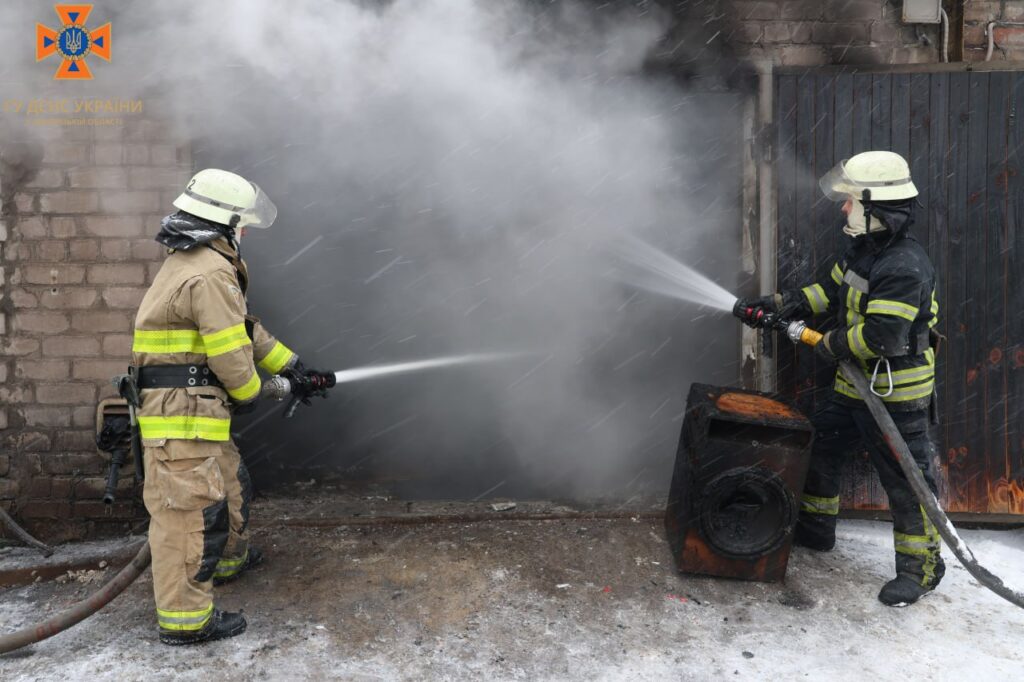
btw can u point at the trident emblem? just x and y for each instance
(73, 42)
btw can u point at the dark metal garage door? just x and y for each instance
(962, 133)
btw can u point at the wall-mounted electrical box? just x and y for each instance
(922, 11)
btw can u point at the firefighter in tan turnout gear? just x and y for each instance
(195, 355)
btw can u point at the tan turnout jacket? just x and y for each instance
(195, 313)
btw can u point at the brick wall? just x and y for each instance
(80, 208)
(1008, 33)
(814, 32)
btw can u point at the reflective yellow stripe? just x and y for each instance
(855, 340)
(247, 390)
(229, 567)
(186, 428)
(184, 620)
(905, 393)
(880, 306)
(276, 359)
(817, 297)
(226, 340)
(819, 505)
(837, 274)
(167, 341)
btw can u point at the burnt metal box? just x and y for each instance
(740, 468)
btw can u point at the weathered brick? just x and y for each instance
(47, 178)
(801, 32)
(136, 154)
(116, 249)
(76, 439)
(776, 32)
(65, 154)
(147, 130)
(1009, 36)
(24, 299)
(8, 489)
(884, 32)
(121, 273)
(32, 227)
(84, 416)
(802, 9)
(41, 322)
(108, 154)
(148, 249)
(89, 489)
(117, 201)
(98, 177)
(84, 249)
(25, 203)
(108, 133)
(52, 250)
(71, 346)
(19, 345)
(913, 55)
(12, 395)
(96, 321)
(27, 442)
(65, 393)
(47, 416)
(4, 419)
(46, 274)
(68, 463)
(750, 10)
(854, 10)
(63, 227)
(747, 32)
(39, 486)
(982, 12)
(51, 510)
(74, 201)
(839, 34)
(68, 298)
(42, 369)
(98, 370)
(802, 55)
(155, 177)
(19, 252)
(163, 155)
(113, 226)
(3, 372)
(861, 54)
(117, 345)
(5, 465)
(123, 297)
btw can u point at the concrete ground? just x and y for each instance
(430, 596)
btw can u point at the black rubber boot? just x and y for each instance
(819, 541)
(220, 626)
(252, 559)
(903, 591)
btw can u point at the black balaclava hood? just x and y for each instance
(185, 231)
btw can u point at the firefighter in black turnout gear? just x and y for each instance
(881, 291)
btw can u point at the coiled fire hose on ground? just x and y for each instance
(82, 610)
(798, 332)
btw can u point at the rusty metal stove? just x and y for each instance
(739, 471)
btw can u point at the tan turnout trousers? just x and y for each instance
(198, 501)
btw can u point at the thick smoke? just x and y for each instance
(450, 176)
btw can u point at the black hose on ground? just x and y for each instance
(924, 494)
(80, 611)
(23, 535)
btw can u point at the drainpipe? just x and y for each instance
(767, 246)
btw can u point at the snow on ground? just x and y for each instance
(546, 600)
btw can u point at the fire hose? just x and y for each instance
(799, 332)
(80, 611)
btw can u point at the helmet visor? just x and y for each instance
(837, 185)
(263, 212)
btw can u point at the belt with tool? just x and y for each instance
(176, 376)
